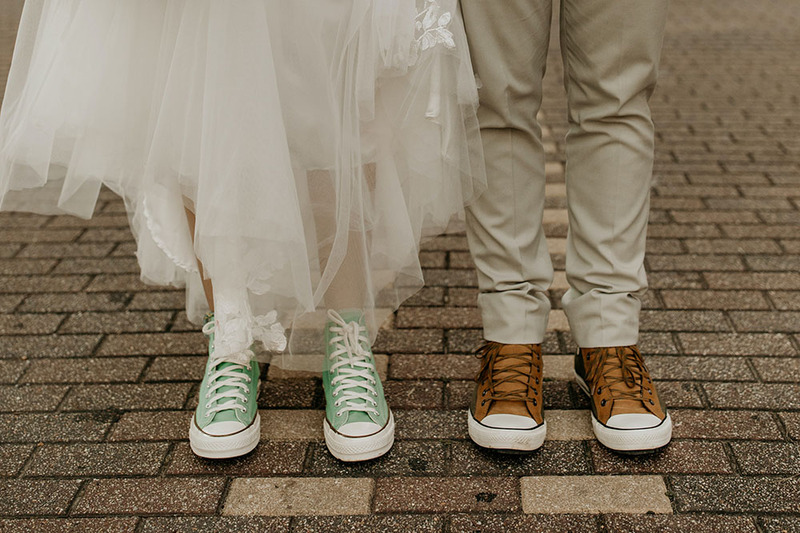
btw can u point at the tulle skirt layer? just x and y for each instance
(316, 142)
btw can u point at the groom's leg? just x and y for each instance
(509, 43)
(611, 50)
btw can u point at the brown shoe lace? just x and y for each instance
(623, 369)
(517, 372)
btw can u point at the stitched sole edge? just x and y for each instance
(524, 440)
(236, 445)
(629, 440)
(353, 449)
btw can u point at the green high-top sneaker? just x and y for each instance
(358, 423)
(226, 423)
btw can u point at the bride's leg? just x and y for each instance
(359, 425)
(208, 287)
(348, 289)
(218, 431)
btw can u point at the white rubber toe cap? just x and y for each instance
(359, 429)
(505, 421)
(219, 429)
(633, 421)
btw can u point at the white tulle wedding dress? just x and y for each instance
(317, 142)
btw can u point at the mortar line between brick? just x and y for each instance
(676, 340)
(27, 462)
(374, 494)
(447, 446)
(226, 487)
(95, 352)
(589, 456)
(78, 495)
(751, 365)
(729, 320)
(701, 393)
(146, 368)
(172, 320)
(60, 405)
(447, 523)
(55, 265)
(737, 469)
(781, 426)
(757, 521)
(601, 524)
(64, 318)
(139, 527)
(673, 500)
(795, 342)
(308, 460)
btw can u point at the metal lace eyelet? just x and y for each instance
(483, 402)
(484, 392)
(603, 403)
(534, 402)
(537, 381)
(599, 390)
(652, 402)
(246, 400)
(208, 406)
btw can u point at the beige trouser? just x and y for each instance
(610, 50)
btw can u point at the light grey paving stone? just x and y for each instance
(558, 367)
(594, 494)
(568, 424)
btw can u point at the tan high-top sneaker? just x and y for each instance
(627, 415)
(506, 409)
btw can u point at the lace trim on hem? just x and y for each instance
(153, 228)
(234, 337)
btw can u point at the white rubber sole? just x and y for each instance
(629, 440)
(353, 449)
(225, 447)
(522, 440)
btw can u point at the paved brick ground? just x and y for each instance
(98, 372)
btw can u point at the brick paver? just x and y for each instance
(99, 372)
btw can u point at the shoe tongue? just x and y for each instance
(624, 407)
(227, 415)
(501, 364)
(613, 369)
(514, 407)
(358, 416)
(356, 315)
